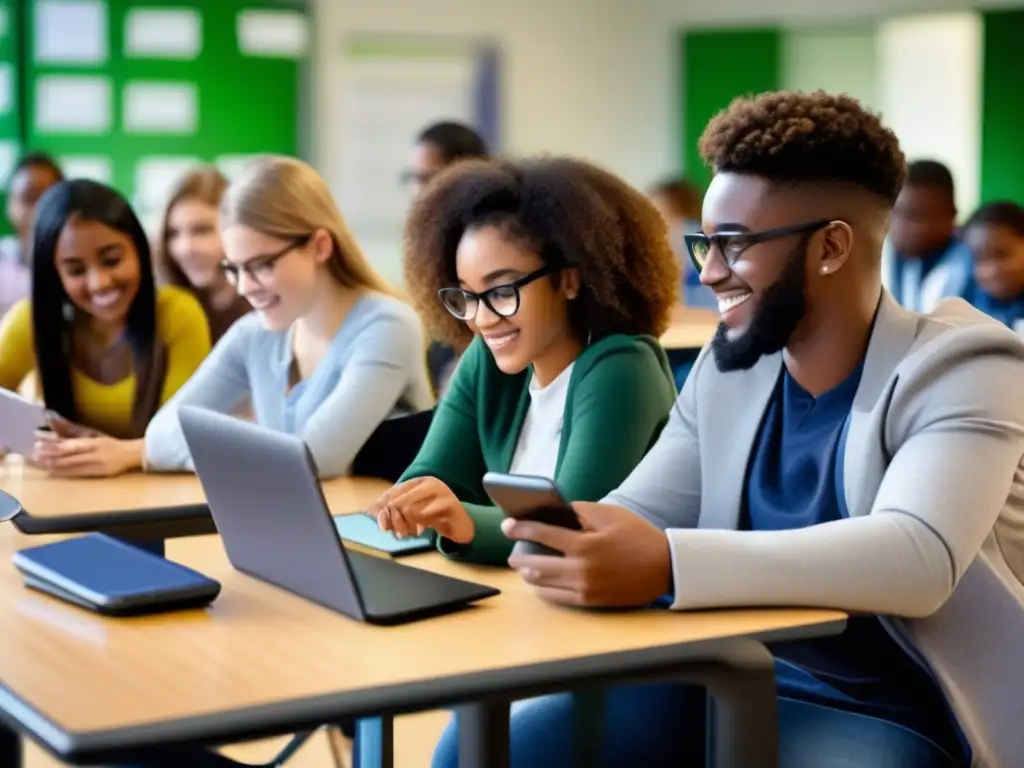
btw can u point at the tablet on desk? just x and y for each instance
(19, 420)
(108, 576)
(362, 530)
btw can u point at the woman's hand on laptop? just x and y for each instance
(409, 508)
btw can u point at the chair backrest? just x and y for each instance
(393, 446)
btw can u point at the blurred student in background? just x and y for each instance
(927, 261)
(562, 278)
(32, 176)
(328, 354)
(995, 237)
(190, 252)
(108, 346)
(435, 148)
(679, 201)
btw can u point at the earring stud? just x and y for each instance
(824, 270)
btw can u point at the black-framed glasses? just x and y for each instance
(260, 268)
(732, 244)
(503, 300)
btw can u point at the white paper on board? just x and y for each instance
(71, 32)
(8, 158)
(153, 107)
(154, 177)
(231, 165)
(95, 167)
(73, 104)
(6, 88)
(167, 33)
(273, 33)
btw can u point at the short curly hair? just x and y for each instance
(569, 212)
(789, 136)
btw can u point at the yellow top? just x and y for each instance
(181, 325)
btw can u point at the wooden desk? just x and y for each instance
(261, 662)
(690, 328)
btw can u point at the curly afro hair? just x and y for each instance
(567, 211)
(788, 137)
(1001, 213)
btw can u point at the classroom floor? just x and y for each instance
(415, 737)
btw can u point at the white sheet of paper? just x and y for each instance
(273, 33)
(165, 33)
(151, 107)
(95, 167)
(154, 177)
(6, 88)
(8, 157)
(73, 104)
(71, 31)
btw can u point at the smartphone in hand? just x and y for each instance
(524, 497)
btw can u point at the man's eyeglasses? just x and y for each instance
(732, 244)
(503, 300)
(260, 268)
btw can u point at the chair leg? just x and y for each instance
(339, 745)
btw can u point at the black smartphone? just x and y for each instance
(524, 497)
(111, 577)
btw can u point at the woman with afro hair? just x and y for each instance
(563, 277)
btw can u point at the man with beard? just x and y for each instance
(829, 449)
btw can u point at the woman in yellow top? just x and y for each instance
(108, 347)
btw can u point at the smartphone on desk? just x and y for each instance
(112, 577)
(524, 497)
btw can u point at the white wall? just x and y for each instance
(931, 92)
(837, 59)
(590, 77)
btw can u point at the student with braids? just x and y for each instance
(829, 449)
(562, 276)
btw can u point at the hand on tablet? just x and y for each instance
(411, 507)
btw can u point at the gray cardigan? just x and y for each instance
(375, 367)
(935, 489)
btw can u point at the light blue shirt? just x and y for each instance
(374, 368)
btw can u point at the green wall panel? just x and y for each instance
(245, 104)
(1002, 127)
(717, 66)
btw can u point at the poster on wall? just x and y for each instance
(392, 89)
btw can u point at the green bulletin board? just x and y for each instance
(10, 122)
(143, 89)
(719, 65)
(1002, 114)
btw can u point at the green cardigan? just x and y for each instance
(620, 392)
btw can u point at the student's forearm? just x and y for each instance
(887, 563)
(131, 454)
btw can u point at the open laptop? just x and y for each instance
(266, 501)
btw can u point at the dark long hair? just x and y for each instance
(52, 309)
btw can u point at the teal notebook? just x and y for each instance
(362, 530)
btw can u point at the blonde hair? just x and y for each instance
(284, 197)
(205, 184)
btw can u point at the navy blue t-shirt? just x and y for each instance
(1006, 311)
(794, 480)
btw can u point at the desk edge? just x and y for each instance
(282, 717)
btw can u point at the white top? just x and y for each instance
(537, 449)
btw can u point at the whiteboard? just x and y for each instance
(386, 103)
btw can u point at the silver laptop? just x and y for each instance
(268, 506)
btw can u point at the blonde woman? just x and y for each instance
(190, 252)
(329, 352)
